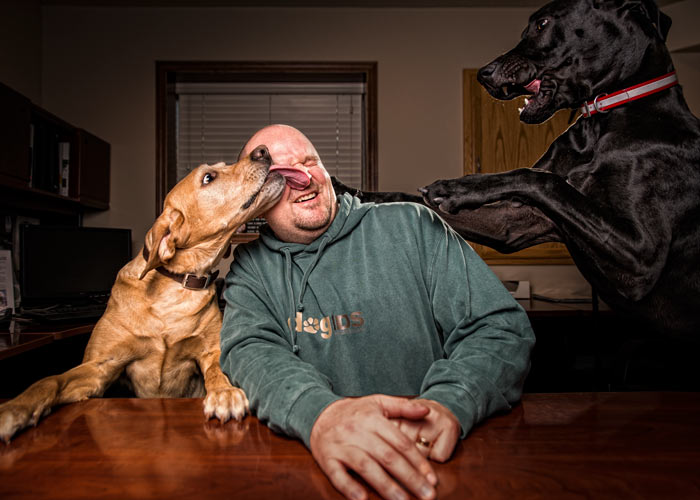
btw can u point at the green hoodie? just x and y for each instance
(388, 300)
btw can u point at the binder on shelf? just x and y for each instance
(52, 162)
(64, 167)
(47, 155)
(32, 159)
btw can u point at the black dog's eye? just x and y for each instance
(208, 177)
(539, 25)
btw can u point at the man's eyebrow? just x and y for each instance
(311, 158)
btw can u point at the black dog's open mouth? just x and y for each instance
(509, 78)
(540, 93)
(510, 91)
(533, 90)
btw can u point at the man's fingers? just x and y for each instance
(422, 433)
(343, 481)
(412, 429)
(398, 464)
(436, 435)
(406, 448)
(382, 469)
(444, 445)
(394, 407)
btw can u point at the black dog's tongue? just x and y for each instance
(533, 86)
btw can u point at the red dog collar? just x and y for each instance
(605, 102)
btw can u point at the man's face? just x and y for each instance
(300, 216)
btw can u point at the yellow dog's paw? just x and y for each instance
(226, 403)
(14, 417)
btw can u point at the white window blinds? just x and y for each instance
(214, 120)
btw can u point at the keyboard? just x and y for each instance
(61, 313)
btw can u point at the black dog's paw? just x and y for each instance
(447, 195)
(476, 190)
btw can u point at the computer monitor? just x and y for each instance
(60, 264)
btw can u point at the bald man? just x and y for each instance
(340, 310)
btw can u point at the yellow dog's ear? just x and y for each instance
(162, 238)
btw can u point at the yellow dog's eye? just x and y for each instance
(208, 177)
(541, 24)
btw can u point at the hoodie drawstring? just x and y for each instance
(299, 307)
(307, 273)
(290, 294)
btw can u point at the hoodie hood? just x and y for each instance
(350, 213)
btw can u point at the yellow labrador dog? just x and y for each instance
(161, 326)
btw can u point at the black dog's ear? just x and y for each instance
(660, 21)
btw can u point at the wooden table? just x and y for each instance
(587, 445)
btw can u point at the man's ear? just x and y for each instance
(162, 238)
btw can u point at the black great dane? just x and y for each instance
(621, 187)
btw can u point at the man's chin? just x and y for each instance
(313, 220)
(311, 225)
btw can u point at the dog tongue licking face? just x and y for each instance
(296, 178)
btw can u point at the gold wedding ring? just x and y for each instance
(423, 442)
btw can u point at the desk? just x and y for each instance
(586, 445)
(26, 337)
(537, 308)
(34, 351)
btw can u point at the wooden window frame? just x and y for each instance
(168, 73)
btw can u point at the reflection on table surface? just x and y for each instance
(588, 445)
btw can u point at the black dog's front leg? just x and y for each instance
(476, 190)
(611, 247)
(374, 196)
(505, 227)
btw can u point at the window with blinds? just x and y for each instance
(214, 121)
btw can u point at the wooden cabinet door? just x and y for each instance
(495, 140)
(14, 138)
(93, 162)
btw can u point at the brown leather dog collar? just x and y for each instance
(190, 281)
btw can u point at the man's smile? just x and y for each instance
(306, 197)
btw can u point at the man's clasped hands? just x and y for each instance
(387, 441)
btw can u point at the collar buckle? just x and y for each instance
(194, 282)
(598, 107)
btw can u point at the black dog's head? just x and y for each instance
(573, 50)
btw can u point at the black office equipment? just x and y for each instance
(68, 272)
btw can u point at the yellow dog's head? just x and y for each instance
(204, 209)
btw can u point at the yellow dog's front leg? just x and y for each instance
(222, 401)
(84, 381)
